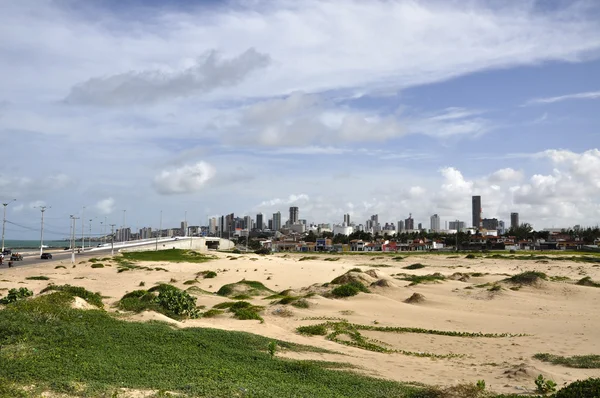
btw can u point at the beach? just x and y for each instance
(516, 320)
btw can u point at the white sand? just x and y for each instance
(560, 318)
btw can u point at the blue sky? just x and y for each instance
(390, 107)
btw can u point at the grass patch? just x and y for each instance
(170, 255)
(250, 288)
(69, 348)
(376, 265)
(60, 266)
(559, 278)
(98, 265)
(587, 281)
(208, 274)
(313, 330)
(302, 303)
(190, 282)
(398, 258)
(349, 289)
(415, 266)
(577, 361)
(212, 313)
(37, 278)
(527, 278)
(431, 278)
(331, 258)
(91, 298)
(306, 258)
(164, 298)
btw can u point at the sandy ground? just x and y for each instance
(558, 317)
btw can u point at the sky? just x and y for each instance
(120, 111)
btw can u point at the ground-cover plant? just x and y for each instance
(190, 282)
(302, 303)
(37, 278)
(306, 258)
(98, 265)
(415, 266)
(78, 356)
(164, 298)
(212, 313)
(587, 281)
(349, 289)
(169, 255)
(580, 389)
(544, 386)
(331, 258)
(90, 297)
(527, 278)
(15, 295)
(470, 256)
(576, 361)
(398, 258)
(416, 279)
(208, 274)
(250, 288)
(60, 266)
(313, 330)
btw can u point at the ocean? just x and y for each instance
(35, 244)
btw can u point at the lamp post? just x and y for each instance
(42, 209)
(82, 223)
(74, 223)
(90, 235)
(4, 220)
(123, 229)
(112, 239)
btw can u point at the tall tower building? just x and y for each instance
(435, 223)
(259, 222)
(248, 224)
(409, 223)
(184, 228)
(212, 226)
(347, 219)
(400, 226)
(276, 221)
(514, 220)
(293, 215)
(476, 201)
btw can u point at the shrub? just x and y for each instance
(37, 278)
(349, 289)
(527, 278)
(587, 281)
(138, 301)
(495, 288)
(92, 298)
(245, 314)
(60, 266)
(210, 274)
(544, 386)
(178, 302)
(16, 295)
(416, 279)
(302, 303)
(190, 282)
(470, 256)
(581, 388)
(263, 251)
(272, 347)
(212, 313)
(576, 361)
(313, 330)
(415, 266)
(98, 265)
(287, 300)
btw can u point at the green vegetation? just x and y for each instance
(416, 279)
(415, 266)
(71, 291)
(15, 295)
(208, 274)
(302, 303)
(212, 313)
(272, 347)
(587, 281)
(580, 389)
(93, 260)
(250, 288)
(98, 265)
(306, 258)
(470, 256)
(527, 278)
(495, 288)
(166, 299)
(577, 361)
(313, 330)
(37, 278)
(170, 255)
(331, 258)
(244, 310)
(559, 278)
(190, 282)
(349, 289)
(47, 346)
(544, 386)
(398, 258)
(60, 266)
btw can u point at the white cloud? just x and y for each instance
(186, 179)
(208, 73)
(105, 206)
(506, 174)
(18, 208)
(549, 100)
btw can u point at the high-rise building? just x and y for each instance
(294, 215)
(248, 224)
(400, 226)
(409, 223)
(277, 221)
(501, 227)
(259, 222)
(347, 219)
(270, 224)
(229, 223)
(212, 226)
(514, 220)
(490, 224)
(456, 225)
(184, 228)
(435, 223)
(476, 207)
(420, 226)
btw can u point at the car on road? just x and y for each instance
(46, 256)
(7, 252)
(16, 257)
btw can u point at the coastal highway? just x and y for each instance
(32, 257)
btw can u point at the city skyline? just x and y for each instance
(392, 108)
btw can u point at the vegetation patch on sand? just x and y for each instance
(98, 265)
(527, 278)
(415, 266)
(37, 278)
(587, 281)
(416, 279)
(77, 353)
(15, 295)
(92, 298)
(576, 361)
(169, 255)
(250, 288)
(349, 289)
(164, 298)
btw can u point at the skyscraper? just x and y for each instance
(276, 221)
(476, 200)
(435, 223)
(184, 228)
(248, 223)
(400, 227)
(212, 226)
(514, 220)
(409, 223)
(293, 215)
(456, 225)
(259, 222)
(347, 219)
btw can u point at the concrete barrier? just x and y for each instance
(195, 243)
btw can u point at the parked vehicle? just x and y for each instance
(16, 257)
(7, 252)
(46, 256)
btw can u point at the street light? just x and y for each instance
(43, 209)
(4, 220)
(90, 235)
(123, 229)
(82, 223)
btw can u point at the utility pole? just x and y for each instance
(82, 236)
(90, 235)
(101, 231)
(112, 239)
(74, 222)
(457, 230)
(159, 230)
(43, 209)
(123, 229)
(4, 220)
